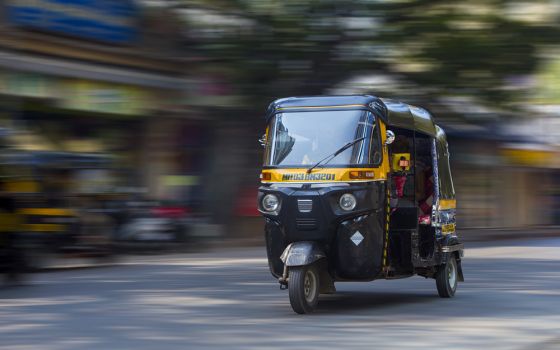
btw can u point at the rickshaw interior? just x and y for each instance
(411, 198)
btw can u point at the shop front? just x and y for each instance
(505, 185)
(46, 113)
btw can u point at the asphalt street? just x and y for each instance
(226, 299)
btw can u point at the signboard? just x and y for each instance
(81, 95)
(211, 90)
(111, 21)
(537, 158)
(100, 97)
(25, 85)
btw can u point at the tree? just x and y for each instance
(269, 49)
(279, 48)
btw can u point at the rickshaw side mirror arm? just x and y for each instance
(262, 140)
(390, 137)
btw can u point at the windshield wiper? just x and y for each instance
(330, 157)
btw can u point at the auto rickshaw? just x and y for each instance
(55, 216)
(13, 262)
(356, 188)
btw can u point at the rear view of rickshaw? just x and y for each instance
(356, 188)
(52, 209)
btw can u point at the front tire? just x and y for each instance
(303, 288)
(446, 278)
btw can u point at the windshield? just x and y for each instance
(297, 139)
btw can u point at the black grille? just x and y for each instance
(306, 224)
(305, 205)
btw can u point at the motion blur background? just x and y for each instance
(127, 120)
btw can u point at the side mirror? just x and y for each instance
(390, 137)
(262, 140)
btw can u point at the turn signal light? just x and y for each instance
(356, 175)
(266, 176)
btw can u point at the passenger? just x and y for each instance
(425, 192)
(400, 146)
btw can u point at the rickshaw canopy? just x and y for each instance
(402, 115)
(393, 113)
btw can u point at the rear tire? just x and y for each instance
(39, 258)
(446, 278)
(303, 288)
(15, 266)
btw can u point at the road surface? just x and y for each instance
(228, 300)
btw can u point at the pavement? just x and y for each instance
(256, 239)
(254, 236)
(495, 234)
(226, 299)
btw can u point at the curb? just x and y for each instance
(485, 235)
(467, 235)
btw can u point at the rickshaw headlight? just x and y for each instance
(270, 203)
(347, 202)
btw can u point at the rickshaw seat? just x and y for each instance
(404, 218)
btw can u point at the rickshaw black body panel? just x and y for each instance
(364, 261)
(330, 226)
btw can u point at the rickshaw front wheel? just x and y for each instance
(446, 278)
(303, 288)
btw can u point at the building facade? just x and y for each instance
(98, 77)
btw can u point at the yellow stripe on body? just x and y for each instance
(386, 164)
(9, 222)
(323, 175)
(43, 228)
(47, 211)
(445, 204)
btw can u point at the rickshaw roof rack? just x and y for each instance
(394, 113)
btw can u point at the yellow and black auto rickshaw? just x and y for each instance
(54, 215)
(12, 254)
(356, 188)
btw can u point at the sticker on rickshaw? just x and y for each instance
(308, 177)
(448, 228)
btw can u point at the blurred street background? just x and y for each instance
(228, 300)
(132, 126)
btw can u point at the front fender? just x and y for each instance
(302, 253)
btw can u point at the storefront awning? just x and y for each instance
(528, 155)
(71, 69)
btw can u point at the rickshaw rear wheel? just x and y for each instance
(446, 278)
(303, 288)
